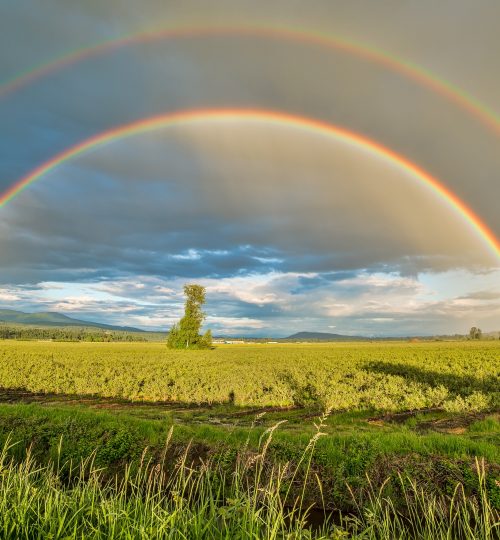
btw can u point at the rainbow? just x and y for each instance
(273, 117)
(407, 69)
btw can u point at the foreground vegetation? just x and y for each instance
(137, 441)
(167, 493)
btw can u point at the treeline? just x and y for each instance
(67, 334)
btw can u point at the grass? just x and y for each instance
(343, 456)
(205, 499)
(410, 447)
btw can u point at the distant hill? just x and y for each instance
(323, 336)
(52, 318)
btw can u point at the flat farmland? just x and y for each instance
(455, 376)
(378, 432)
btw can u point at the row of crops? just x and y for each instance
(457, 376)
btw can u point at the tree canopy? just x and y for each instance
(475, 333)
(186, 333)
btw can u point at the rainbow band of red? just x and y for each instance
(407, 69)
(317, 126)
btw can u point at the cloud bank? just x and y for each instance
(288, 229)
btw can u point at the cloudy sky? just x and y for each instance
(288, 228)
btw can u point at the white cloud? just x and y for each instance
(279, 303)
(6, 296)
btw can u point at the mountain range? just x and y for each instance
(55, 319)
(52, 318)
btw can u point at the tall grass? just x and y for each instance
(428, 517)
(254, 499)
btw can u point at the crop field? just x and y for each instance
(461, 376)
(280, 440)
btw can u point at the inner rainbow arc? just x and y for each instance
(269, 116)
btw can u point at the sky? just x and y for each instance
(288, 226)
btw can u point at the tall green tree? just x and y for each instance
(186, 333)
(475, 333)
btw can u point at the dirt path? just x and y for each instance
(226, 415)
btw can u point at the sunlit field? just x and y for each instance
(456, 376)
(351, 440)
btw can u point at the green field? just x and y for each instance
(403, 425)
(390, 376)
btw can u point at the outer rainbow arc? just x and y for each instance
(412, 71)
(280, 118)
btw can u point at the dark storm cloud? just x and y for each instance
(147, 79)
(202, 202)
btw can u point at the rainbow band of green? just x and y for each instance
(283, 119)
(404, 68)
